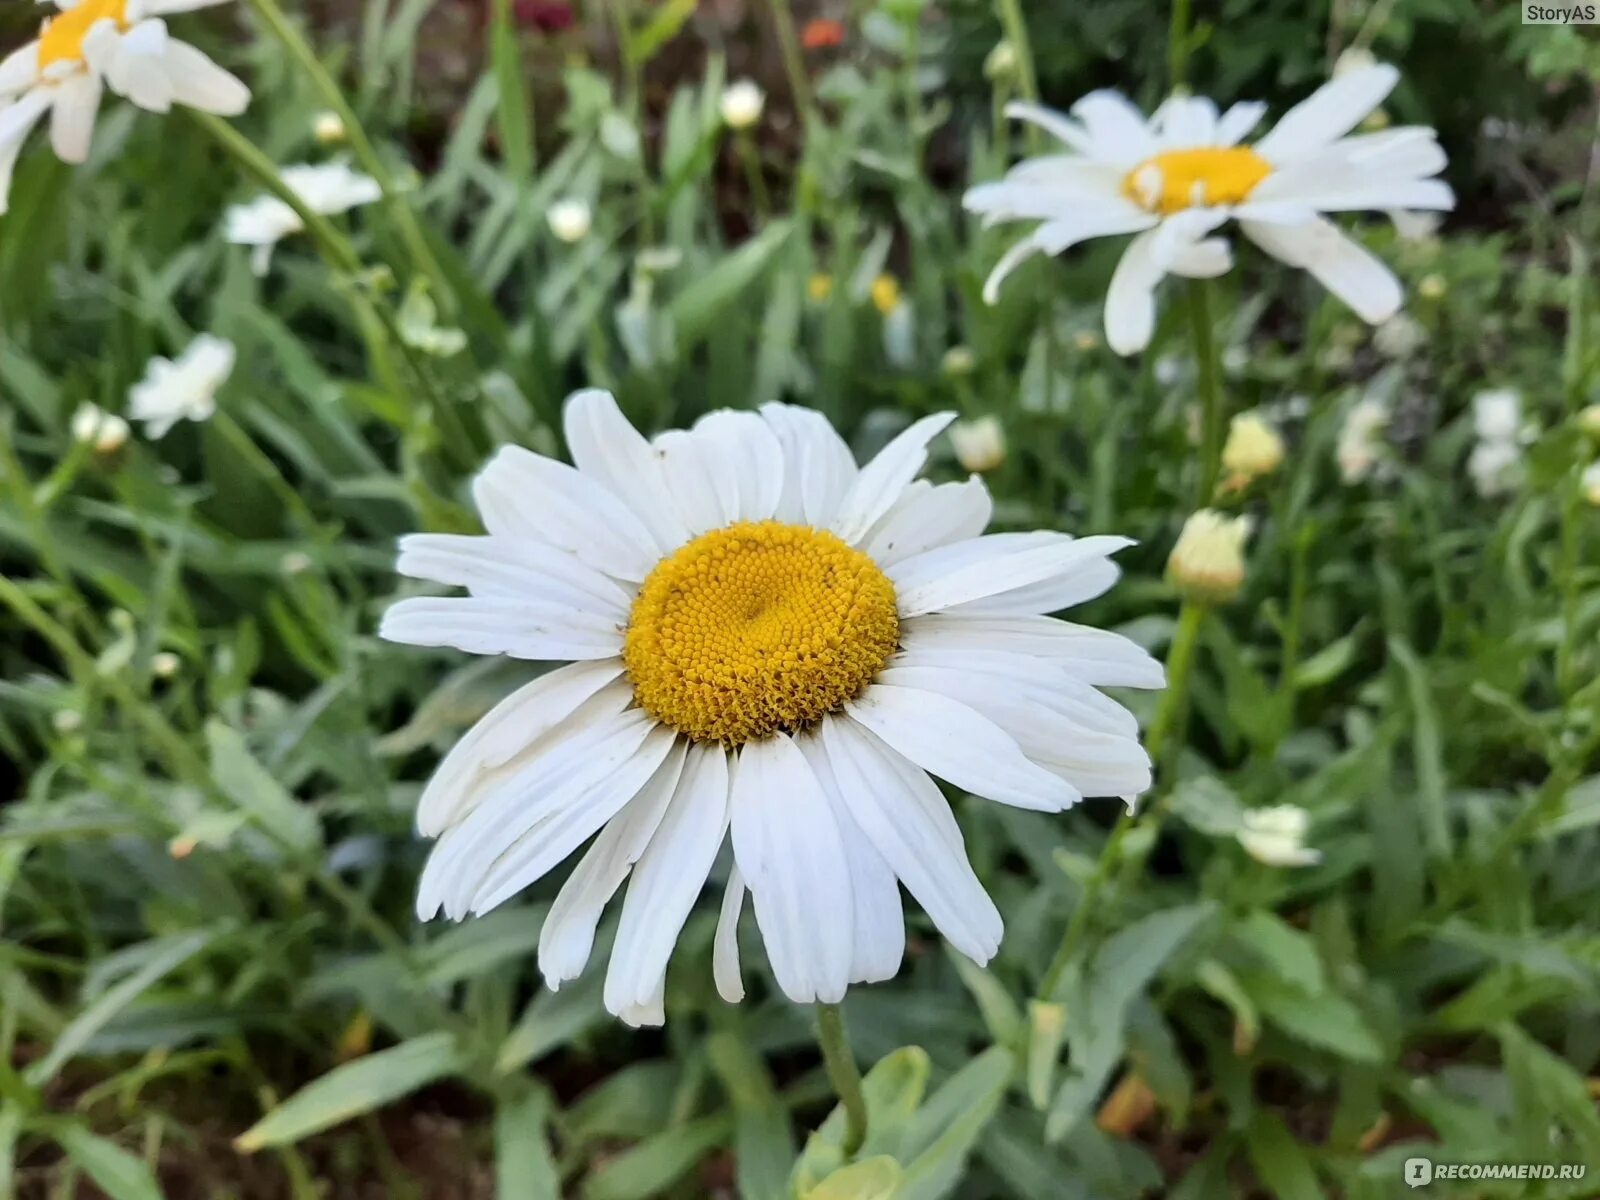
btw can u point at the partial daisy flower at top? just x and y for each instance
(767, 640)
(90, 45)
(1175, 178)
(183, 390)
(325, 188)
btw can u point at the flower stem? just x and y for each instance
(1209, 373)
(372, 163)
(842, 1073)
(1167, 720)
(1178, 44)
(1016, 31)
(794, 63)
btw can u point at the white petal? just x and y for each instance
(568, 934)
(1075, 193)
(611, 452)
(1330, 112)
(1349, 270)
(1095, 656)
(882, 480)
(1117, 130)
(16, 122)
(1057, 125)
(667, 879)
(725, 947)
(202, 84)
(1203, 260)
(77, 101)
(19, 70)
(541, 632)
(928, 515)
(1130, 316)
(993, 565)
(136, 67)
(1184, 122)
(691, 480)
(512, 726)
(951, 740)
(1009, 261)
(526, 495)
(901, 811)
(792, 857)
(543, 846)
(748, 463)
(1239, 120)
(818, 466)
(165, 8)
(512, 569)
(879, 937)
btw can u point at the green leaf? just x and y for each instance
(893, 1089)
(551, 1020)
(355, 1088)
(1326, 1020)
(167, 954)
(945, 1129)
(662, 27)
(115, 1172)
(513, 107)
(697, 309)
(658, 1162)
(249, 785)
(871, 1179)
(1047, 1027)
(523, 1166)
(763, 1147)
(1290, 952)
(999, 1009)
(1280, 1161)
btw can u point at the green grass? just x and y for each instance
(206, 879)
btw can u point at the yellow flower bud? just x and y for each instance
(1207, 563)
(819, 287)
(1253, 449)
(885, 294)
(1432, 287)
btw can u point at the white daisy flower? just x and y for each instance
(1495, 468)
(89, 45)
(1176, 177)
(1276, 836)
(184, 390)
(325, 188)
(1361, 449)
(767, 641)
(1497, 415)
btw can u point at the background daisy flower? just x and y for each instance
(94, 44)
(326, 188)
(1176, 177)
(183, 390)
(770, 646)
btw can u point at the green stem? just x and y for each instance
(1016, 31)
(1167, 720)
(843, 1074)
(750, 158)
(332, 95)
(1209, 374)
(1178, 44)
(794, 63)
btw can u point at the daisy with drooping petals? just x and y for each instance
(770, 641)
(1173, 179)
(325, 188)
(90, 45)
(183, 390)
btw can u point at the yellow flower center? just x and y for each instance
(757, 628)
(1179, 179)
(62, 38)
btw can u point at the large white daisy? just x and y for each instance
(768, 640)
(90, 45)
(1176, 177)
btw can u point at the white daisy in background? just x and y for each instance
(1362, 448)
(183, 390)
(90, 45)
(325, 188)
(1276, 836)
(1497, 415)
(1495, 464)
(1176, 177)
(93, 426)
(771, 641)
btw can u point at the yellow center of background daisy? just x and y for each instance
(62, 38)
(757, 628)
(1180, 179)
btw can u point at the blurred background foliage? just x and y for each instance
(211, 983)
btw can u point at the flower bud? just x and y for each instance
(328, 128)
(958, 361)
(886, 294)
(106, 432)
(1591, 484)
(980, 445)
(1207, 562)
(1253, 449)
(1001, 62)
(1589, 421)
(1276, 836)
(1432, 287)
(570, 220)
(742, 103)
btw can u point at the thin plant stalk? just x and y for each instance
(794, 63)
(844, 1075)
(1209, 375)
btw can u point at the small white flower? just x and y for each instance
(90, 45)
(328, 128)
(1361, 444)
(324, 188)
(1207, 561)
(980, 445)
(696, 712)
(1495, 467)
(742, 103)
(66, 721)
(1400, 336)
(1276, 836)
(183, 390)
(570, 219)
(1176, 177)
(165, 664)
(1497, 415)
(92, 425)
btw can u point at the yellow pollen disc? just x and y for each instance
(1180, 179)
(757, 628)
(62, 38)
